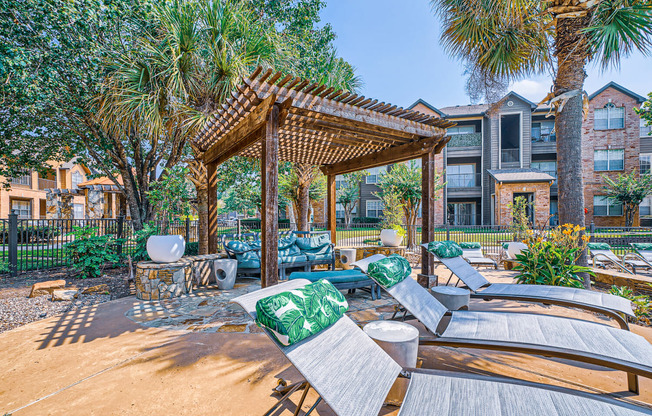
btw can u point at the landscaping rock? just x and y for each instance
(64, 294)
(96, 289)
(46, 288)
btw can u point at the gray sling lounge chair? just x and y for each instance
(353, 376)
(603, 256)
(615, 307)
(544, 335)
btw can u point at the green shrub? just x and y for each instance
(366, 220)
(140, 239)
(89, 253)
(642, 303)
(551, 257)
(192, 249)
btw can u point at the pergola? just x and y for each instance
(277, 117)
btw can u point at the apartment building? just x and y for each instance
(64, 191)
(507, 149)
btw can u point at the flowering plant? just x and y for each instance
(551, 256)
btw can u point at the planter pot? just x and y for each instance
(165, 248)
(515, 248)
(390, 238)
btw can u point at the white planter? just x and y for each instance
(515, 248)
(390, 238)
(165, 248)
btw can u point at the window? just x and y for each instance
(460, 176)
(609, 117)
(22, 208)
(549, 167)
(609, 159)
(374, 174)
(78, 211)
(339, 210)
(543, 131)
(77, 178)
(645, 163)
(339, 182)
(645, 208)
(461, 213)
(460, 130)
(645, 130)
(604, 207)
(374, 209)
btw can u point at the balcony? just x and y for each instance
(510, 155)
(46, 184)
(543, 137)
(463, 180)
(25, 180)
(465, 140)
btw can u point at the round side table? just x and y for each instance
(453, 298)
(401, 342)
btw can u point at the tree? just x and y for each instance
(300, 187)
(645, 112)
(348, 194)
(512, 39)
(404, 179)
(170, 196)
(629, 189)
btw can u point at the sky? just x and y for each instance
(394, 45)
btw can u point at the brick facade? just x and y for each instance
(626, 138)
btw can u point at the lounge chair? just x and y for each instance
(473, 254)
(615, 307)
(644, 252)
(603, 256)
(545, 335)
(353, 375)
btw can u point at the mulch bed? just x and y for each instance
(16, 309)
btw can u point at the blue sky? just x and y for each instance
(394, 44)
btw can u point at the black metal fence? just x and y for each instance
(41, 244)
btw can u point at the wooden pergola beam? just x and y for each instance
(247, 132)
(427, 215)
(269, 197)
(384, 157)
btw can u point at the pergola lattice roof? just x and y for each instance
(318, 125)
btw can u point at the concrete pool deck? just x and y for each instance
(201, 356)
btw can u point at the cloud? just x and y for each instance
(533, 90)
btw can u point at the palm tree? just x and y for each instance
(508, 39)
(178, 77)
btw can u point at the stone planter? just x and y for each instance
(155, 281)
(165, 248)
(390, 238)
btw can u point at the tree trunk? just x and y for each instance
(202, 218)
(570, 50)
(303, 207)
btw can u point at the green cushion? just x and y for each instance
(469, 246)
(297, 314)
(390, 270)
(599, 246)
(249, 264)
(249, 256)
(292, 258)
(289, 250)
(333, 276)
(444, 249)
(315, 242)
(642, 246)
(505, 246)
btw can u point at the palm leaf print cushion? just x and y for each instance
(297, 314)
(444, 249)
(390, 270)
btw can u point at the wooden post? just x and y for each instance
(269, 197)
(211, 177)
(331, 200)
(428, 214)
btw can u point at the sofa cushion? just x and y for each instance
(319, 256)
(287, 242)
(297, 314)
(445, 249)
(239, 247)
(333, 276)
(315, 242)
(249, 264)
(643, 246)
(390, 270)
(292, 258)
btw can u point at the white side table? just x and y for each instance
(453, 298)
(401, 342)
(225, 272)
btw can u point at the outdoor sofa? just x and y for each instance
(545, 335)
(353, 375)
(615, 307)
(298, 250)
